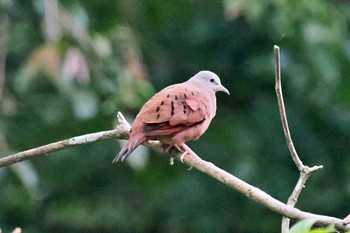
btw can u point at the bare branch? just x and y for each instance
(43, 150)
(305, 171)
(282, 109)
(122, 132)
(256, 194)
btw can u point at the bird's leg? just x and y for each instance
(183, 156)
(187, 151)
(176, 146)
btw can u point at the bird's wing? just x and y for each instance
(174, 109)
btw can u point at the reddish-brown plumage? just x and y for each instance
(178, 113)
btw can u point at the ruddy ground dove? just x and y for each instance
(177, 114)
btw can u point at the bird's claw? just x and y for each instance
(183, 156)
(170, 146)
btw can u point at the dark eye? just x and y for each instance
(211, 80)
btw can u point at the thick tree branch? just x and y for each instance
(43, 150)
(122, 132)
(305, 171)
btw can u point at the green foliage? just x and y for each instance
(70, 76)
(306, 226)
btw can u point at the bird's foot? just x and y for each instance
(183, 156)
(181, 148)
(170, 146)
(187, 150)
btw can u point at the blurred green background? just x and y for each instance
(67, 67)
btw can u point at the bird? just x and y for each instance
(179, 113)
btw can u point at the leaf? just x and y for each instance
(303, 226)
(329, 229)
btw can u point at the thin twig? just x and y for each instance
(122, 132)
(282, 109)
(305, 171)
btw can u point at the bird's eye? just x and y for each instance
(211, 80)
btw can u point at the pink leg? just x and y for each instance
(187, 151)
(170, 146)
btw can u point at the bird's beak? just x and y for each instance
(222, 88)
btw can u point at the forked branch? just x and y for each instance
(305, 171)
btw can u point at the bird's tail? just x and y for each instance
(129, 147)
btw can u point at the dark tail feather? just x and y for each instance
(125, 152)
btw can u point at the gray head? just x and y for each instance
(209, 80)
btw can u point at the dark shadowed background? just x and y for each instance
(71, 65)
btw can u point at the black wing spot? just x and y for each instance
(185, 107)
(158, 115)
(172, 108)
(176, 97)
(185, 95)
(157, 110)
(161, 103)
(168, 96)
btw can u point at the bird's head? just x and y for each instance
(209, 80)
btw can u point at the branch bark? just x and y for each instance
(305, 171)
(122, 132)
